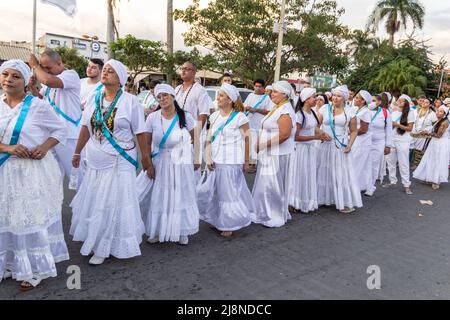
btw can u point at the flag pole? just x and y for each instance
(33, 41)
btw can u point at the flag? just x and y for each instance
(68, 6)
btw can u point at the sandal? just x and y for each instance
(347, 210)
(30, 284)
(226, 234)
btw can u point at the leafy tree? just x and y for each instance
(73, 60)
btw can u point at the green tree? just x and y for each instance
(138, 55)
(239, 33)
(73, 60)
(396, 13)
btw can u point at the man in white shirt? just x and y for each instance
(192, 97)
(257, 106)
(61, 89)
(92, 82)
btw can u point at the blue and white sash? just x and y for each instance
(166, 136)
(219, 130)
(258, 104)
(59, 111)
(330, 119)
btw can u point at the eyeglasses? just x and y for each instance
(186, 69)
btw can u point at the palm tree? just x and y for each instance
(397, 13)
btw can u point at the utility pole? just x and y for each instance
(170, 34)
(280, 41)
(33, 40)
(440, 83)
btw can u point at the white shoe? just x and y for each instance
(183, 240)
(152, 241)
(96, 260)
(7, 274)
(369, 193)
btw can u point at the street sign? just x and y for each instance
(95, 46)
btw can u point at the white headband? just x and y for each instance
(230, 91)
(164, 88)
(120, 69)
(20, 66)
(307, 93)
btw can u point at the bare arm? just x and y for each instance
(284, 131)
(363, 128)
(82, 140)
(245, 131)
(353, 134)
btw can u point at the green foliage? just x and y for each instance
(239, 33)
(72, 60)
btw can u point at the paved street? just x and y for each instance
(320, 256)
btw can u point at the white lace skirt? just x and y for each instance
(433, 167)
(31, 234)
(336, 181)
(106, 213)
(169, 207)
(224, 199)
(270, 191)
(303, 178)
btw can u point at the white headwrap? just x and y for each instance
(120, 69)
(307, 93)
(407, 98)
(366, 96)
(321, 98)
(389, 96)
(164, 88)
(342, 89)
(230, 91)
(446, 109)
(20, 66)
(269, 88)
(284, 87)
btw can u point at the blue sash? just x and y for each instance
(230, 118)
(166, 136)
(18, 128)
(105, 130)
(59, 111)
(100, 87)
(376, 114)
(330, 119)
(257, 105)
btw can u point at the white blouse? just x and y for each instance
(308, 128)
(380, 127)
(341, 124)
(396, 116)
(194, 100)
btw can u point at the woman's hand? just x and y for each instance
(348, 149)
(211, 166)
(20, 151)
(325, 137)
(246, 167)
(39, 152)
(147, 166)
(76, 160)
(387, 151)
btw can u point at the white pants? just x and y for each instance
(399, 153)
(64, 156)
(377, 155)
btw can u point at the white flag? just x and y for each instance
(68, 6)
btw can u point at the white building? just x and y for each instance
(85, 47)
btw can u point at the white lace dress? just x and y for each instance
(31, 196)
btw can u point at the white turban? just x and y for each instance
(284, 87)
(269, 88)
(366, 96)
(407, 98)
(389, 96)
(321, 98)
(446, 109)
(230, 91)
(20, 66)
(120, 69)
(307, 93)
(164, 88)
(342, 89)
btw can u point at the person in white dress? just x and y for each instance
(92, 82)
(402, 123)
(61, 88)
(381, 133)
(336, 180)
(303, 165)
(361, 156)
(150, 101)
(31, 197)
(275, 146)
(224, 199)
(257, 106)
(433, 167)
(423, 125)
(168, 199)
(106, 215)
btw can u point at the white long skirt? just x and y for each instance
(336, 181)
(303, 178)
(106, 213)
(169, 207)
(362, 162)
(224, 199)
(31, 233)
(433, 167)
(270, 191)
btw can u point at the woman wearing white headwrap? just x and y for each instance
(169, 206)
(336, 180)
(433, 167)
(402, 124)
(303, 165)
(31, 197)
(106, 214)
(224, 199)
(361, 156)
(275, 146)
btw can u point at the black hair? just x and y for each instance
(260, 81)
(180, 112)
(194, 65)
(299, 108)
(154, 83)
(404, 118)
(325, 98)
(439, 123)
(98, 62)
(226, 74)
(384, 100)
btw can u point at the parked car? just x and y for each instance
(213, 91)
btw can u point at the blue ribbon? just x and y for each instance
(105, 130)
(59, 111)
(17, 128)
(376, 114)
(230, 118)
(166, 136)
(257, 105)
(330, 119)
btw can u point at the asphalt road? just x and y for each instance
(324, 255)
